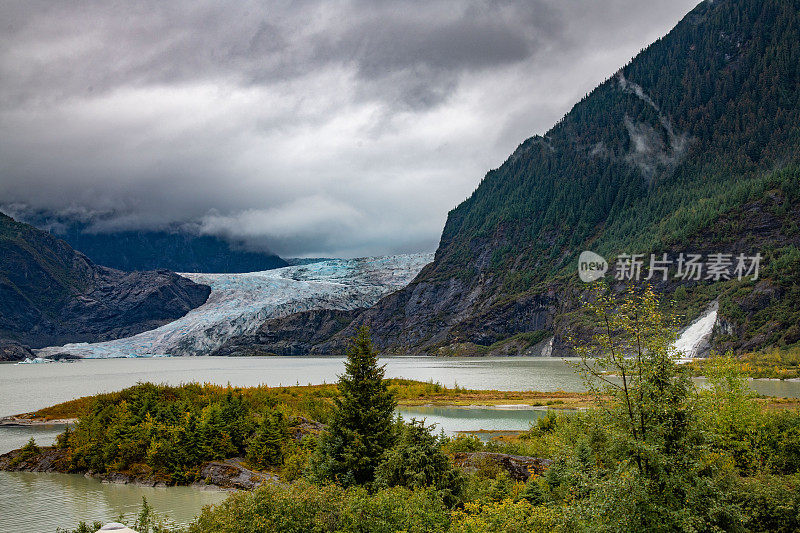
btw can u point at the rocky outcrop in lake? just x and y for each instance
(233, 474)
(225, 474)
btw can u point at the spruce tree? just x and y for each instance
(361, 428)
(266, 446)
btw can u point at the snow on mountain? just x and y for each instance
(239, 303)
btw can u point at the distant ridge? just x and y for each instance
(176, 250)
(51, 294)
(179, 252)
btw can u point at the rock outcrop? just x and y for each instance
(14, 351)
(47, 459)
(296, 334)
(231, 474)
(226, 474)
(518, 467)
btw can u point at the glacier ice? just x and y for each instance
(35, 361)
(240, 303)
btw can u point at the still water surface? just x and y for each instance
(38, 502)
(455, 420)
(42, 502)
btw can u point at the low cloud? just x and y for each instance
(310, 128)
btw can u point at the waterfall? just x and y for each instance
(695, 339)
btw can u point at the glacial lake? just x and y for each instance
(25, 388)
(42, 502)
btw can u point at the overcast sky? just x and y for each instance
(316, 128)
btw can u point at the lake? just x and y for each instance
(494, 420)
(41, 502)
(25, 388)
(38, 502)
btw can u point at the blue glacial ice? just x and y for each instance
(240, 303)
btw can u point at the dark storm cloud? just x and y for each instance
(312, 127)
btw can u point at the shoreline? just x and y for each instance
(22, 420)
(222, 475)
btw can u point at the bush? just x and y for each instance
(303, 508)
(417, 460)
(28, 451)
(465, 443)
(506, 516)
(770, 503)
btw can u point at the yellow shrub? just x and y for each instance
(506, 516)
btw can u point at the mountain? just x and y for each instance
(235, 319)
(176, 251)
(51, 294)
(693, 147)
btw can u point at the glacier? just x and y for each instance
(240, 303)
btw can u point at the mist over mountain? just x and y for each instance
(176, 251)
(180, 249)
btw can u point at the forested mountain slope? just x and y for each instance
(176, 251)
(692, 146)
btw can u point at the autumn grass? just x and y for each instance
(305, 399)
(778, 363)
(314, 401)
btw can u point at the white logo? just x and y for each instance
(591, 266)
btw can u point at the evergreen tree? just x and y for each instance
(216, 440)
(266, 446)
(361, 428)
(418, 460)
(237, 419)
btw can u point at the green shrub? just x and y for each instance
(28, 451)
(506, 516)
(417, 460)
(303, 507)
